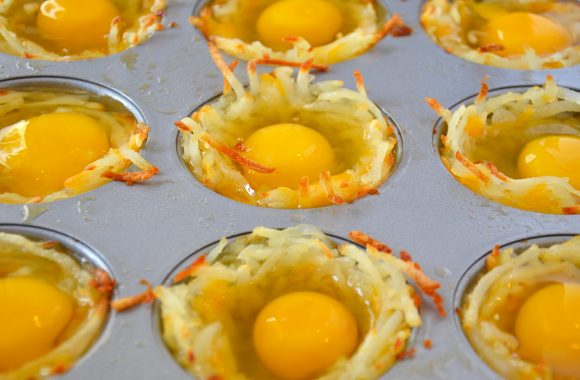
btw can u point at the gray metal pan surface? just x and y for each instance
(144, 231)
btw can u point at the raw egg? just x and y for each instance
(55, 145)
(548, 328)
(291, 304)
(75, 27)
(299, 335)
(522, 314)
(518, 31)
(512, 34)
(287, 142)
(317, 21)
(66, 30)
(551, 156)
(326, 31)
(53, 307)
(295, 151)
(521, 148)
(33, 315)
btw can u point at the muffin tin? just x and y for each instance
(146, 230)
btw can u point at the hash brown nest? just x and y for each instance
(121, 37)
(509, 276)
(210, 136)
(369, 31)
(468, 124)
(206, 337)
(89, 287)
(444, 22)
(126, 135)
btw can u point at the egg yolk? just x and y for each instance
(548, 328)
(56, 146)
(317, 21)
(551, 156)
(299, 335)
(75, 25)
(293, 150)
(33, 314)
(520, 30)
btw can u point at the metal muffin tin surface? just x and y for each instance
(146, 230)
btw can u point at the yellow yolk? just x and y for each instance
(520, 30)
(551, 156)
(317, 21)
(33, 314)
(548, 328)
(77, 25)
(299, 335)
(57, 146)
(293, 150)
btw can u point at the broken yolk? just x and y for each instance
(76, 26)
(33, 314)
(293, 150)
(298, 335)
(520, 30)
(548, 328)
(551, 156)
(56, 146)
(317, 21)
